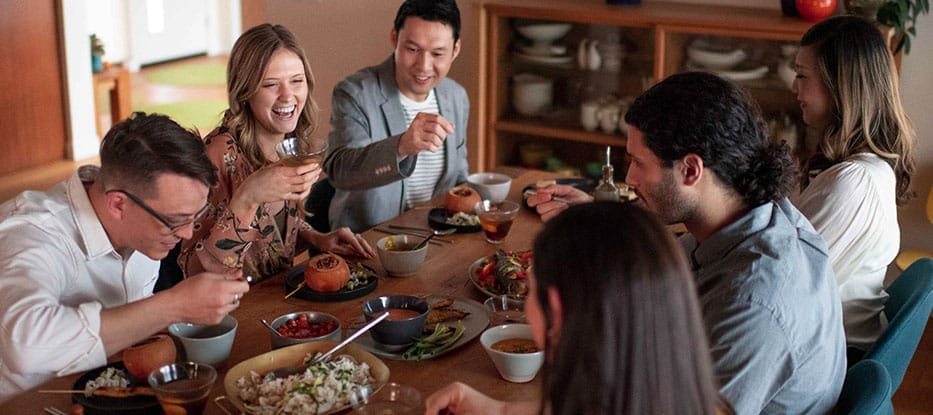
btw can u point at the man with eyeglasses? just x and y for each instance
(78, 263)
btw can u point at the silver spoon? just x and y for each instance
(294, 370)
(433, 234)
(269, 326)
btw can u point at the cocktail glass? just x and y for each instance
(183, 388)
(496, 218)
(291, 154)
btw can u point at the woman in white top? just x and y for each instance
(847, 88)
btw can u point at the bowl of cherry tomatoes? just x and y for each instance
(304, 327)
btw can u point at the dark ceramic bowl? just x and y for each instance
(396, 333)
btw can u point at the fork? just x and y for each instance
(54, 411)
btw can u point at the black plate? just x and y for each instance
(102, 405)
(437, 218)
(297, 276)
(585, 184)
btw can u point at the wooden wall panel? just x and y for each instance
(32, 116)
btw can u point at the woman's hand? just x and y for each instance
(274, 183)
(460, 399)
(342, 242)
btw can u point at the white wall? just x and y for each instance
(109, 19)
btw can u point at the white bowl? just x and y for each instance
(513, 367)
(491, 186)
(719, 60)
(544, 32)
(208, 344)
(401, 262)
(531, 94)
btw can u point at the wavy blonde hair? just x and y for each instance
(249, 59)
(858, 70)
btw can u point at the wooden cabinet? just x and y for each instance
(653, 37)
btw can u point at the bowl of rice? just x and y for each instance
(323, 389)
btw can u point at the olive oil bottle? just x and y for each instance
(606, 190)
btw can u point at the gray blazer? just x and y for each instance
(367, 121)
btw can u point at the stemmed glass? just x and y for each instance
(291, 154)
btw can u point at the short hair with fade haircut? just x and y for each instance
(444, 11)
(136, 151)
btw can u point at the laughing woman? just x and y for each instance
(847, 88)
(254, 221)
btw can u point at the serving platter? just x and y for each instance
(294, 356)
(473, 326)
(105, 405)
(296, 277)
(437, 219)
(585, 184)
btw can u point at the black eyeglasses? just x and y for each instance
(173, 227)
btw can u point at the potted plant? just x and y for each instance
(97, 53)
(901, 15)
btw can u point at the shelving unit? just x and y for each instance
(657, 35)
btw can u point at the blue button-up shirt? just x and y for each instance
(772, 312)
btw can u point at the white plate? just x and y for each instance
(473, 325)
(561, 60)
(475, 266)
(735, 75)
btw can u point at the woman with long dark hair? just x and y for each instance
(612, 302)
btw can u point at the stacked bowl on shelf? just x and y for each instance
(728, 63)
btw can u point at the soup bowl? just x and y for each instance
(514, 367)
(407, 315)
(208, 344)
(397, 255)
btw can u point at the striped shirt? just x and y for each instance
(419, 187)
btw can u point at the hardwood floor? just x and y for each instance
(915, 396)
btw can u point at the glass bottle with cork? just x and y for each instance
(606, 190)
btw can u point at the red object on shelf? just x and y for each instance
(816, 10)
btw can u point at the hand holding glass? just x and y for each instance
(290, 154)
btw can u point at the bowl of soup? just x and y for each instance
(513, 351)
(398, 256)
(407, 315)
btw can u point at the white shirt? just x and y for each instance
(852, 205)
(419, 187)
(58, 270)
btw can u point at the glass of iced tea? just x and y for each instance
(496, 218)
(183, 388)
(291, 154)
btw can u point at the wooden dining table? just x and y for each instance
(444, 273)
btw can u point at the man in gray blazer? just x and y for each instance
(398, 129)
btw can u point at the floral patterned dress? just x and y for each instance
(221, 242)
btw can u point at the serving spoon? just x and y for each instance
(285, 372)
(269, 326)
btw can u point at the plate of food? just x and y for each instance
(110, 390)
(438, 218)
(585, 184)
(448, 316)
(363, 280)
(323, 389)
(504, 272)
